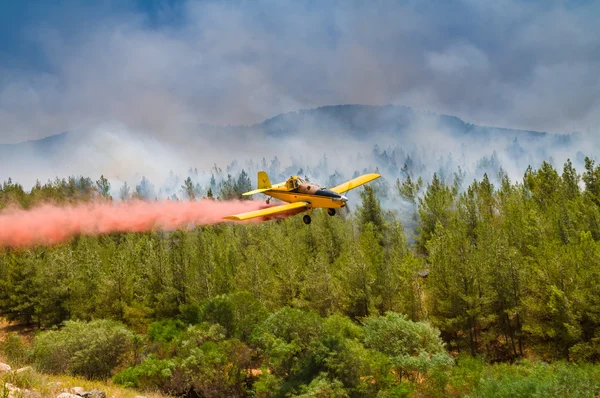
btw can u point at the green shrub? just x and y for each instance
(190, 313)
(586, 351)
(201, 360)
(286, 336)
(291, 324)
(323, 386)
(165, 330)
(267, 384)
(312, 356)
(91, 350)
(219, 310)
(210, 364)
(150, 374)
(394, 334)
(402, 390)
(415, 348)
(466, 375)
(539, 380)
(239, 313)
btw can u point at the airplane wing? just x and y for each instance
(355, 182)
(268, 211)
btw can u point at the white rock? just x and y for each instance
(67, 395)
(77, 390)
(95, 393)
(25, 369)
(55, 384)
(4, 367)
(13, 391)
(11, 387)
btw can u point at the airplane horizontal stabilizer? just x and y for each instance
(256, 191)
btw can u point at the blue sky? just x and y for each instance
(20, 20)
(164, 66)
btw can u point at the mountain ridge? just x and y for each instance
(356, 119)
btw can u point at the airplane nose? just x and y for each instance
(344, 198)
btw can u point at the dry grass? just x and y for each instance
(34, 384)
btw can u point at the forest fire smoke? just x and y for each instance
(49, 224)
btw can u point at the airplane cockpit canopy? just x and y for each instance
(294, 182)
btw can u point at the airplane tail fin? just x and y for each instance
(263, 180)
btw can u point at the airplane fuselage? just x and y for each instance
(319, 198)
(298, 190)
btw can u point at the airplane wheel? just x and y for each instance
(306, 219)
(331, 212)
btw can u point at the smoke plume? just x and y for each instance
(50, 224)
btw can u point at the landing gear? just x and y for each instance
(331, 212)
(306, 219)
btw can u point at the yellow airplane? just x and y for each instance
(302, 196)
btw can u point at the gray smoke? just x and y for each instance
(139, 90)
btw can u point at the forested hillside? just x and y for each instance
(343, 307)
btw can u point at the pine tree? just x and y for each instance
(103, 187)
(124, 192)
(188, 187)
(435, 207)
(243, 184)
